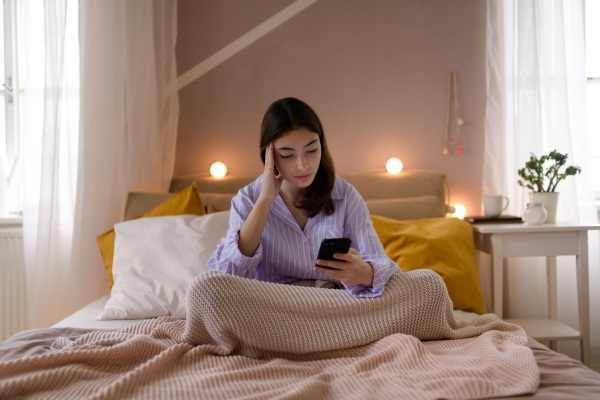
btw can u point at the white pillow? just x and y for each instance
(155, 260)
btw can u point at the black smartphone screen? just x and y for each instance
(331, 246)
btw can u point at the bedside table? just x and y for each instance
(547, 240)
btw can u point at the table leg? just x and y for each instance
(583, 286)
(552, 293)
(497, 274)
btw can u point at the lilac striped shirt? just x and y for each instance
(287, 253)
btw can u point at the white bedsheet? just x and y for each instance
(86, 317)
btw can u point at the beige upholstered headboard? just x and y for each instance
(413, 194)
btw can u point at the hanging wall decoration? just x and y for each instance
(452, 99)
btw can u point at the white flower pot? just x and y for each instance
(550, 201)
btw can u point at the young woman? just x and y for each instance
(277, 223)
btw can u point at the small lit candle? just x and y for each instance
(394, 166)
(218, 170)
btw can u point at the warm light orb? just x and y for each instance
(460, 212)
(394, 166)
(218, 170)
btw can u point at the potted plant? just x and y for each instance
(542, 175)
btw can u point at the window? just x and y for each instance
(9, 139)
(21, 89)
(592, 43)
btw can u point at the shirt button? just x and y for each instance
(303, 240)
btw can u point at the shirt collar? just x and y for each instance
(281, 211)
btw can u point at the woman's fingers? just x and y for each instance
(269, 159)
(271, 182)
(350, 268)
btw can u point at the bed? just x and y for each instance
(150, 338)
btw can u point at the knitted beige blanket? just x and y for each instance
(250, 339)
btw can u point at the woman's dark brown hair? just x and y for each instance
(289, 114)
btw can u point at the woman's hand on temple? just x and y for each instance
(351, 269)
(271, 183)
(252, 229)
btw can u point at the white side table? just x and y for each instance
(547, 240)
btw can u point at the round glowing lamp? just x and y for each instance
(394, 166)
(218, 170)
(460, 212)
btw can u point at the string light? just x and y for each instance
(218, 170)
(394, 166)
(460, 212)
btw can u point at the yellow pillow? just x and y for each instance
(185, 202)
(444, 245)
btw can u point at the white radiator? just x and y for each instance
(12, 278)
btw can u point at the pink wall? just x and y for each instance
(375, 72)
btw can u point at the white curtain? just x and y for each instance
(536, 87)
(111, 133)
(49, 119)
(536, 84)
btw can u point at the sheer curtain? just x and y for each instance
(49, 119)
(129, 115)
(110, 111)
(536, 85)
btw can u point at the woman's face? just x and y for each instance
(298, 156)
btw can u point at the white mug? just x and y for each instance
(493, 204)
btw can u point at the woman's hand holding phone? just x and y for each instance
(347, 267)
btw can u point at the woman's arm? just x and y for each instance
(251, 231)
(240, 252)
(227, 258)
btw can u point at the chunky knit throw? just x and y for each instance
(250, 339)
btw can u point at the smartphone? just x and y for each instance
(331, 246)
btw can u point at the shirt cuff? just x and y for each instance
(246, 266)
(379, 281)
